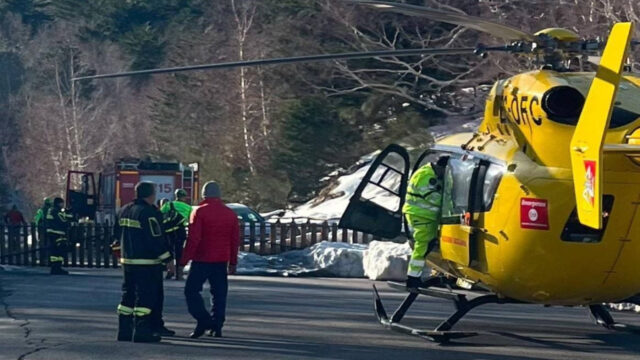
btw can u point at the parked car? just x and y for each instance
(248, 216)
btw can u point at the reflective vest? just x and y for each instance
(424, 194)
(183, 208)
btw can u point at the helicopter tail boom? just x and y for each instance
(587, 144)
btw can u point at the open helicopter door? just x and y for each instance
(458, 202)
(376, 206)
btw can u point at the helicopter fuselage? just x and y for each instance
(530, 245)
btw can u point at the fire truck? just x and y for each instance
(116, 186)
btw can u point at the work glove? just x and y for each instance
(413, 282)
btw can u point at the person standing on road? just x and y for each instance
(143, 254)
(41, 214)
(176, 219)
(14, 220)
(40, 220)
(14, 217)
(57, 221)
(212, 248)
(422, 209)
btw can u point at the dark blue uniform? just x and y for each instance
(144, 252)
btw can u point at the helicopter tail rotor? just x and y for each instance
(586, 146)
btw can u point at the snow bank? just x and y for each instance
(378, 261)
(386, 260)
(322, 259)
(625, 307)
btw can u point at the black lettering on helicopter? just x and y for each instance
(513, 110)
(538, 120)
(521, 109)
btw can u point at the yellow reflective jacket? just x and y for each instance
(424, 194)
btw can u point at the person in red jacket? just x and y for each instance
(14, 217)
(212, 248)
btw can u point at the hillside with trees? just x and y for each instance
(267, 134)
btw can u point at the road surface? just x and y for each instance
(43, 317)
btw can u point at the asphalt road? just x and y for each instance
(285, 318)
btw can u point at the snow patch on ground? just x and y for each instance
(625, 307)
(322, 259)
(377, 261)
(386, 260)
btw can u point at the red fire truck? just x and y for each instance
(116, 186)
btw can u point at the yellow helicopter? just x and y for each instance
(541, 203)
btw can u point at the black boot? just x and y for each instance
(125, 327)
(200, 329)
(163, 331)
(143, 332)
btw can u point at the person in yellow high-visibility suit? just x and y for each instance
(422, 209)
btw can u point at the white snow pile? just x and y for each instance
(625, 307)
(377, 261)
(322, 259)
(386, 260)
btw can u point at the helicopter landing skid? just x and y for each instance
(442, 333)
(603, 317)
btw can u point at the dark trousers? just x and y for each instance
(216, 274)
(142, 291)
(58, 247)
(176, 242)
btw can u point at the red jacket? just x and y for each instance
(214, 234)
(14, 217)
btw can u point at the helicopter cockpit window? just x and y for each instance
(492, 179)
(457, 185)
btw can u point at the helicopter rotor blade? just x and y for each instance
(498, 30)
(300, 59)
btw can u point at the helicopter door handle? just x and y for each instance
(580, 149)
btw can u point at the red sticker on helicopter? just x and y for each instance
(589, 181)
(534, 214)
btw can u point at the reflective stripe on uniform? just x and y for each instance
(415, 267)
(159, 260)
(423, 205)
(141, 311)
(140, 261)
(130, 223)
(415, 262)
(58, 232)
(54, 259)
(155, 228)
(61, 240)
(64, 217)
(125, 310)
(176, 228)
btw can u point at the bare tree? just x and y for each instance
(244, 16)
